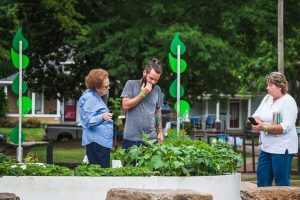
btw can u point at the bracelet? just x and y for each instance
(142, 94)
(266, 129)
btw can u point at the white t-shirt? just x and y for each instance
(288, 110)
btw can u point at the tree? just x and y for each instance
(230, 46)
(122, 40)
(3, 104)
(50, 26)
(8, 24)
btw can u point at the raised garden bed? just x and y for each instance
(225, 187)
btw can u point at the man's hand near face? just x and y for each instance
(146, 89)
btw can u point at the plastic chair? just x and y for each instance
(194, 120)
(210, 122)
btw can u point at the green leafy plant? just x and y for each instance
(31, 157)
(4, 158)
(115, 108)
(96, 170)
(188, 127)
(182, 156)
(33, 169)
(40, 169)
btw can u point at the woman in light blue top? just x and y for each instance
(96, 121)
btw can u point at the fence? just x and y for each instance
(247, 145)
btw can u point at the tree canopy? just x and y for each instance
(231, 45)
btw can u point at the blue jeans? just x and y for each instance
(98, 154)
(275, 167)
(129, 143)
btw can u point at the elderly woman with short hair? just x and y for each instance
(96, 121)
(276, 117)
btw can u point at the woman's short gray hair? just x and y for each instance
(278, 79)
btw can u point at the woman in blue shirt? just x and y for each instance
(96, 121)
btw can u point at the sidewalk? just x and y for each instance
(248, 180)
(28, 144)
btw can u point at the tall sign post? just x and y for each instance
(280, 37)
(176, 90)
(19, 87)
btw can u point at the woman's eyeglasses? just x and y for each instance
(106, 86)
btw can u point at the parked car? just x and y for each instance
(63, 132)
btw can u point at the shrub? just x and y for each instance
(33, 169)
(31, 157)
(40, 169)
(115, 108)
(4, 158)
(32, 122)
(96, 170)
(188, 127)
(3, 104)
(7, 123)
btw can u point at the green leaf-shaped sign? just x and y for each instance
(15, 86)
(19, 37)
(173, 89)
(15, 59)
(14, 135)
(184, 108)
(175, 42)
(26, 104)
(173, 64)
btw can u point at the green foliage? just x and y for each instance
(58, 22)
(8, 25)
(188, 127)
(118, 154)
(32, 122)
(179, 156)
(96, 170)
(183, 157)
(231, 46)
(115, 108)
(3, 104)
(4, 122)
(227, 157)
(4, 158)
(40, 169)
(31, 157)
(33, 169)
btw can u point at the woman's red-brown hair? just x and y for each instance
(95, 78)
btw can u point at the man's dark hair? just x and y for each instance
(155, 65)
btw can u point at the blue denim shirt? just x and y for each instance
(94, 128)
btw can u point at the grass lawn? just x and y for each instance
(63, 152)
(31, 134)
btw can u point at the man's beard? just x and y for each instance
(144, 82)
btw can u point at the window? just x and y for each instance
(38, 103)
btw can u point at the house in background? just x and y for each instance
(49, 111)
(229, 116)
